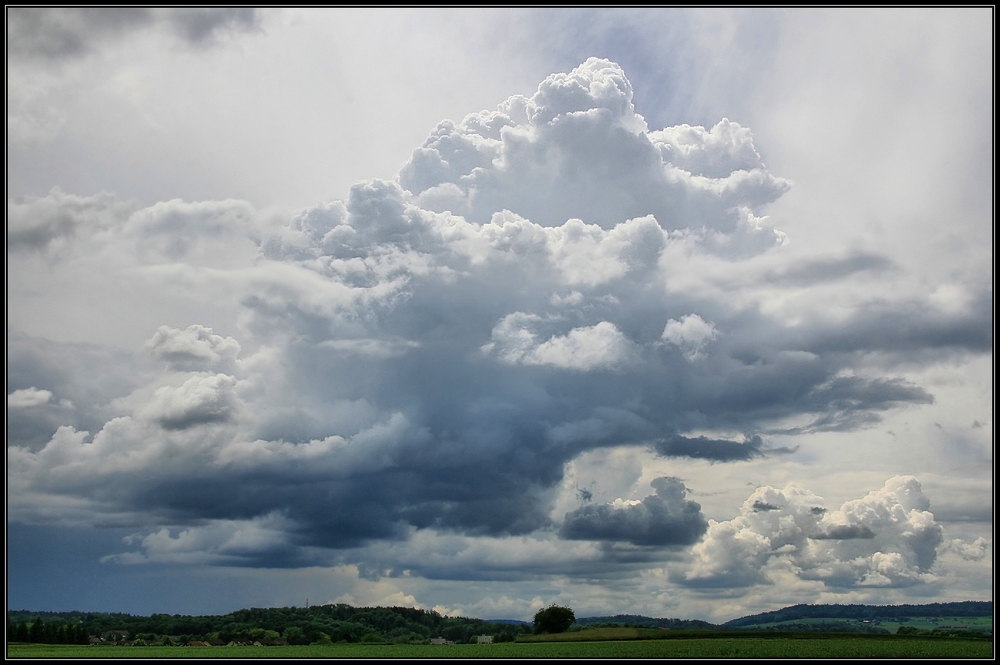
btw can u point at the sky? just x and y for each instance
(675, 312)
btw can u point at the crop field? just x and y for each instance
(784, 646)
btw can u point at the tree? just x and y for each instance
(295, 635)
(37, 631)
(554, 619)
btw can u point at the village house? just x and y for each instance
(114, 636)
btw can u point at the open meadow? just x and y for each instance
(749, 646)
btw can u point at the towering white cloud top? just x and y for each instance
(577, 148)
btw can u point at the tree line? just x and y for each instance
(321, 624)
(324, 624)
(42, 632)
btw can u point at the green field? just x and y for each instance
(930, 623)
(784, 646)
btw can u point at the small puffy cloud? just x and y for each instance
(662, 519)
(192, 348)
(970, 551)
(691, 333)
(887, 538)
(28, 397)
(600, 346)
(712, 153)
(199, 400)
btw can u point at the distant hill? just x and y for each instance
(825, 618)
(646, 622)
(512, 622)
(969, 608)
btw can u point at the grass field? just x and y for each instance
(785, 646)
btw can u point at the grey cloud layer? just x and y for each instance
(61, 32)
(427, 355)
(41, 222)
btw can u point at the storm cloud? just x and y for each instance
(436, 365)
(718, 450)
(400, 380)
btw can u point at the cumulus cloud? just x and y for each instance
(199, 400)
(691, 333)
(664, 518)
(970, 551)
(579, 135)
(428, 355)
(888, 538)
(28, 397)
(592, 347)
(194, 347)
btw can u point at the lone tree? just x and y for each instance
(554, 619)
